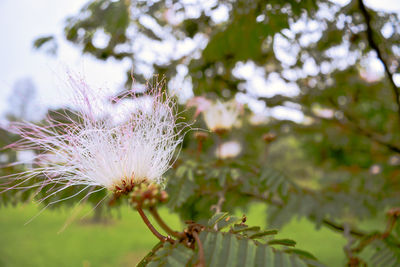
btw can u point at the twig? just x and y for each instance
(379, 53)
(218, 207)
(341, 228)
(355, 127)
(326, 222)
(163, 225)
(394, 215)
(221, 199)
(150, 226)
(201, 262)
(350, 241)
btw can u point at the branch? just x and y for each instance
(330, 224)
(378, 139)
(379, 53)
(349, 122)
(341, 228)
(221, 199)
(276, 100)
(371, 135)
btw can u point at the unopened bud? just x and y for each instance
(163, 196)
(146, 203)
(153, 202)
(394, 212)
(134, 205)
(201, 136)
(220, 131)
(269, 137)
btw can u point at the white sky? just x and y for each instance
(24, 20)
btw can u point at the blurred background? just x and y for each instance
(317, 83)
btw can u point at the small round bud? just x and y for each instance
(146, 203)
(201, 136)
(163, 196)
(153, 202)
(269, 137)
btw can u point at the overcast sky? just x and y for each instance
(22, 21)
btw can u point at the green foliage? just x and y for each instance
(47, 42)
(387, 253)
(240, 246)
(181, 187)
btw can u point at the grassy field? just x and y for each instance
(63, 238)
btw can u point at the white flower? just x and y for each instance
(229, 149)
(221, 116)
(95, 150)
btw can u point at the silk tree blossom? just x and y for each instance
(221, 116)
(228, 150)
(94, 149)
(218, 116)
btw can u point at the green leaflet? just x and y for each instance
(264, 233)
(181, 187)
(285, 242)
(230, 249)
(384, 253)
(171, 255)
(216, 218)
(228, 221)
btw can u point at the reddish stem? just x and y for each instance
(201, 262)
(150, 226)
(163, 225)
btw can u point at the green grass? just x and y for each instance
(122, 242)
(43, 242)
(324, 244)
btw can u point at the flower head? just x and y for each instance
(95, 149)
(219, 116)
(228, 150)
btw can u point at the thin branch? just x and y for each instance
(218, 206)
(379, 53)
(355, 127)
(341, 228)
(221, 199)
(350, 242)
(330, 224)
(150, 226)
(163, 225)
(378, 139)
(371, 135)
